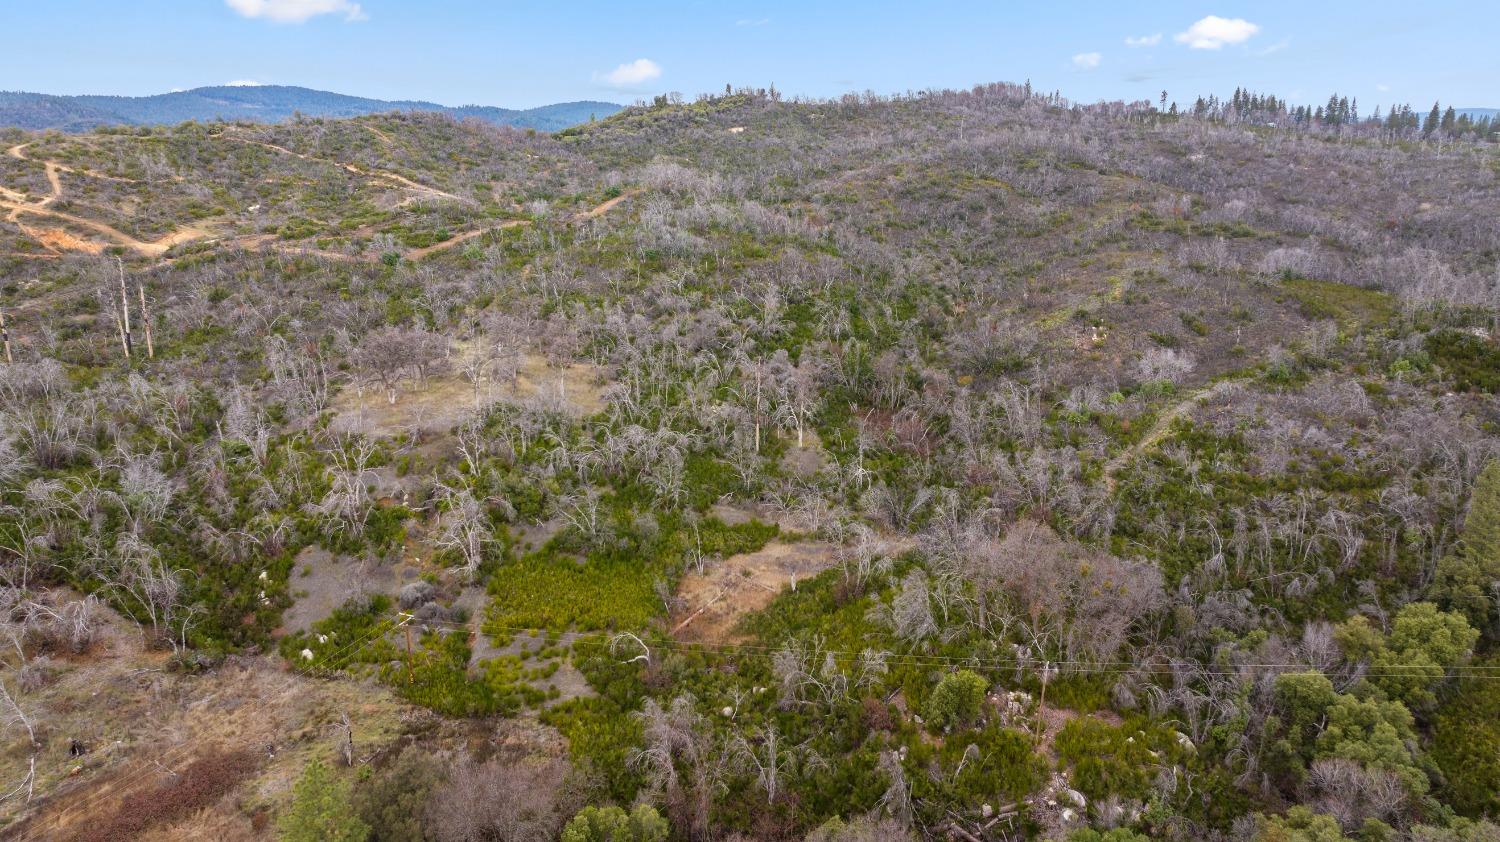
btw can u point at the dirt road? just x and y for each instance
(58, 240)
(401, 180)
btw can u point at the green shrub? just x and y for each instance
(392, 800)
(993, 765)
(1410, 663)
(1472, 362)
(320, 810)
(612, 824)
(1302, 700)
(1374, 733)
(1115, 760)
(1466, 745)
(1299, 825)
(1465, 578)
(1119, 834)
(600, 736)
(352, 634)
(956, 700)
(1423, 646)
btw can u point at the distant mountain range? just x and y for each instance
(1478, 113)
(261, 103)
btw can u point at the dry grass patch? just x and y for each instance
(713, 602)
(446, 400)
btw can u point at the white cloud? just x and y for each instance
(1213, 32)
(752, 21)
(632, 73)
(1144, 41)
(1087, 61)
(243, 83)
(1382, 88)
(296, 11)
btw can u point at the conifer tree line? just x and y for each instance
(1340, 113)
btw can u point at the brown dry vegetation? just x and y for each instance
(710, 604)
(443, 401)
(1149, 409)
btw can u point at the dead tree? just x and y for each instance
(12, 714)
(124, 319)
(346, 745)
(5, 336)
(146, 321)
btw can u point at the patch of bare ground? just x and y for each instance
(570, 684)
(130, 748)
(447, 400)
(713, 602)
(738, 513)
(322, 581)
(533, 535)
(807, 459)
(59, 240)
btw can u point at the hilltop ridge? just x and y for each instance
(260, 103)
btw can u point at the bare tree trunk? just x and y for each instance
(347, 746)
(757, 409)
(5, 335)
(124, 320)
(146, 321)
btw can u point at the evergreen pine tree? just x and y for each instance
(320, 810)
(1468, 580)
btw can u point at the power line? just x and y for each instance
(344, 656)
(917, 659)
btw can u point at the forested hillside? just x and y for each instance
(260, 103)
(965, 465)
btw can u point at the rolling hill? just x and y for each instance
(261, 103)
(960, 465)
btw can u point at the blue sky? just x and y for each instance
(518, 54)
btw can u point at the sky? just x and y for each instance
(522, 54)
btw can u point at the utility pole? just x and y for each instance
(406, 624)
(5, 334)
(124, 310)
(1041, 705)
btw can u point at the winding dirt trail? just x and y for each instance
(148, 248)
(604, 207)
(58, 240)
(269, 242)
(53, 168)
(418, 254)
(582, 216)
(348, 167)
(1161, 428)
